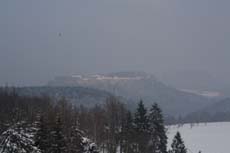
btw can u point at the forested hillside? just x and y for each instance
(40, 124)
(75, 95)
(217, 112)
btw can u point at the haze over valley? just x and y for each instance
(114, 76)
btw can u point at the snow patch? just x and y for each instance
(208, 138)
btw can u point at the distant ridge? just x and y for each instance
(135, 86)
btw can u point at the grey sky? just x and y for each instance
(155, 36)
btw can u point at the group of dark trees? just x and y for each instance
(42, 125)
(31, 124)
(206, 117)
(199, 117)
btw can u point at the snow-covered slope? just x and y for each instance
(209, 94)
(209, 138)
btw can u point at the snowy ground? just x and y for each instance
(209, 138)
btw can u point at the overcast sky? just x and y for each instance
(41, 39)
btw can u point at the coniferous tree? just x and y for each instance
(42, 135)
(141, 123)
(75, 142)
(18, 139)
(58, 143)
(178, 144)
(157, 131)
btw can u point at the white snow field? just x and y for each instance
(209, 138)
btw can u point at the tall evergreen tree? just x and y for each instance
(42, 135)
(58, 143)
(75, 141)
(141, 124)
(157, 131)
(141, 119)
(178, 144)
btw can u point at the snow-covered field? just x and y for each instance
(209, 138)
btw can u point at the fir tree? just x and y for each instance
(157, 131)
(178, 145)
(42, 135)
(58, 143)
(141, 119)
(75, 141)
(141, 123)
